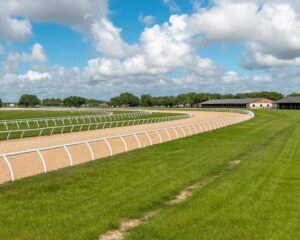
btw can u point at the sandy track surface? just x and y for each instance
(30, 164)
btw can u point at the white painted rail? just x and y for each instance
(46, 131)
(18, 124)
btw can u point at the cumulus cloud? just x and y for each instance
(230, 77)
(14, 58)
(161, 49)
(34, 76)
(108, 40)
(270, 31)
(78, 14)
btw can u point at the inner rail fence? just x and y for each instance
(70, 120)
(46, 131)
(17, 165)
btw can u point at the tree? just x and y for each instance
(1, 104)
(270, 95)
(27, 100)
(147, 100)
(74, 101)
(294, 94)
(52, 102)
(127, 99)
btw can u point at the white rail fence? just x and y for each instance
(28, 123)
(11, 134)
(176, 132)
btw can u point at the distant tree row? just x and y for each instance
(294, 94)
(72, 101)
(130, 100)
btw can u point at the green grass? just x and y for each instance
(25, 114)
(259, 199)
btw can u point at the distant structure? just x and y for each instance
(288, 103)
(257, 103)
(11, 105)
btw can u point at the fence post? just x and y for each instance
(150, 140)
(175, 130)
(109, 147)
(12, 176)
(169, 137)
(125, 144)
(138, 140)
(42, 160)
(69, 155)
(158, 134)
(91, 150)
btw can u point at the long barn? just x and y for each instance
(257, 103)
(289, 103)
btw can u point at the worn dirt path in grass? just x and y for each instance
(128, 224)
(30, 164)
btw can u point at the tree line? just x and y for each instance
(130, 100)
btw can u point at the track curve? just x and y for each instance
(13, 167)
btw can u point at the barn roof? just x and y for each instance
(289, 100)
(233, 101)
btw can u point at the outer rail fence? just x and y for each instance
(17, 165)
(13, 134)
(56, 121)
(236, 110)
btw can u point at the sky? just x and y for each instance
(101, 48)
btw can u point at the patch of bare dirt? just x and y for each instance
(235, 162)
(126, 225)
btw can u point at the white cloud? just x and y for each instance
(34, 76)
(162, 49)
(79, 14)
(37, 54)
(14, 58)
(271, 30)
(108, 40)
(148, 20)
(230, 77)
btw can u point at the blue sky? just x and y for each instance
(100, 48)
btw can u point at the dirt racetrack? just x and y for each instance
(33, 163)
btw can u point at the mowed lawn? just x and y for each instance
(258, 199)
(26, 114)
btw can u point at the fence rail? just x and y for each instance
(178, 131)
(56, 121)
(22, 133)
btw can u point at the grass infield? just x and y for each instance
(259, 199)
(25, 114)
